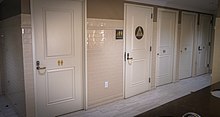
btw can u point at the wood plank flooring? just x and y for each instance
(147, 101)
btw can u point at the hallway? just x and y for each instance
(147, 101)
(134, 105)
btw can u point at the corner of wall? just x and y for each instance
(28, 64)
(216, 56)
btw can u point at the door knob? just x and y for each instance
(38, 66)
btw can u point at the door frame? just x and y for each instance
(84, 55)
(124, 46)
(194, 49)
(175, 52)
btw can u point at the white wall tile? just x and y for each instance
(105, 61)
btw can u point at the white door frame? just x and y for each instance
(174, 75)
(124, 48)
(84, 54)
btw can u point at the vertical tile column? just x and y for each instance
(28, 64)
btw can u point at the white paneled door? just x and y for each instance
(187, 37)
(203, 48)
(138, 39)
(58, 46)
(166, 44)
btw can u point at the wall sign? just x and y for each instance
(119, 34)
(139, 32)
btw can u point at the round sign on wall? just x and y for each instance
(139, 32)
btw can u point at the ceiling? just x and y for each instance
(207, 6)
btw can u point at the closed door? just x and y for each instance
(58, 39)
(203, 50)
(138, 37)
(188, 26)
(167, 28)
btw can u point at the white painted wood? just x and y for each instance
(138, 69)
(85, 63)
(58, 38)
(166, 46)
(203, 49)
(187, 37)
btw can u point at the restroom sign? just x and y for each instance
(139, 32)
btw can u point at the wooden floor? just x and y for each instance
(146, 101)
(134, 105)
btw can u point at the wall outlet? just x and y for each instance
(106, 84)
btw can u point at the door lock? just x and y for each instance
(38, 66)
(199, 48)
(128, 58)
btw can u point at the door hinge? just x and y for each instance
(211, 22)
(208, 65)
(125, 56)
(150, 48)
(151, 16)
(149, 80)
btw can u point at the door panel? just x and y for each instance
(58, 39)
(59, 88)
(167, 23)
(203, 41)
(137, 48)
(188, 26)
(58, 22)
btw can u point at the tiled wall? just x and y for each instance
(153, 64)
(105, 61)
(13, 72)
(28, 64)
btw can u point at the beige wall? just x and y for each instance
(105, 9)
(216, 54)
(105, 61)
(216, 57)
(13, 72)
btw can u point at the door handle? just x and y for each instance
(41, 68)
(38, 66)
(128, 58)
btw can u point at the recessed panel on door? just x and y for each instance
(138, 38)
(167, 28)
(60, 88)
(58, 32)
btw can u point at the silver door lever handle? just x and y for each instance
(38, 66)
(41, 68)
